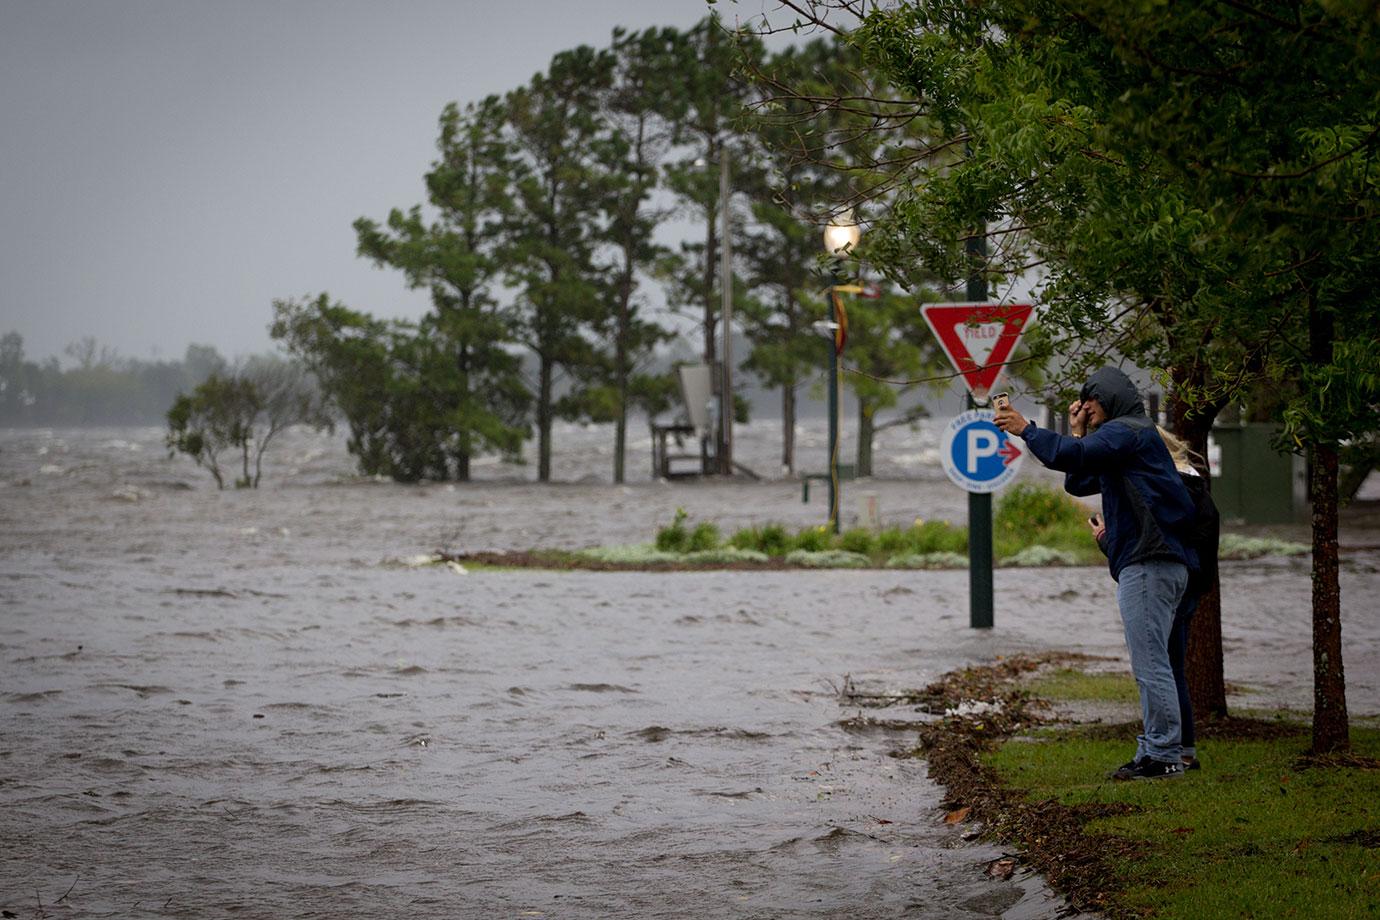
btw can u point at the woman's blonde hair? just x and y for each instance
(1179, 451)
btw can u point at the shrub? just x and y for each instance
(858, 540)
(937, 537)
(773, 540)
(813, 539)
(704, 537)
(749, 538)
(1030, 515)
(892, 540)
(674, 538)
(1026, 506)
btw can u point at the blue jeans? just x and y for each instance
(1178, 651)
(1148, 593)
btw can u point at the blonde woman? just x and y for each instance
(1204, 540)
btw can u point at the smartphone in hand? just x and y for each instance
(1001, 401)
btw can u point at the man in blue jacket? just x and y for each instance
(1116, 451)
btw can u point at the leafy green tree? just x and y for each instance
(242, 412)
(551, 233)
(637, 108)
(215, 419)
(453, 256)
(285, 395)
(708, 110)
(394, 383)
(1201, 182)
(781, 249)
(889, 353)
(819, 121)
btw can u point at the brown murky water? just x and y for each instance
(230, 703)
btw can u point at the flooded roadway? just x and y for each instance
(219, 704)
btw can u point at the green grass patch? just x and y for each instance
(1031, 526)
(1072, 684)
(1252, 834)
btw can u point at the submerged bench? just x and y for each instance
(846, 471)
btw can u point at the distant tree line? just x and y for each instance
(541, 245)
(97, 387)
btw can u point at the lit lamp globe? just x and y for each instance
(842, 234)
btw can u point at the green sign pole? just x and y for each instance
(979, 503)
(979, 555)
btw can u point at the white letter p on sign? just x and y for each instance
(981, 443)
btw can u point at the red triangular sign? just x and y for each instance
(979, 338)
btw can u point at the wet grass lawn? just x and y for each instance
(1259, 831)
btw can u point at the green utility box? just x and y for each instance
(1253, 483)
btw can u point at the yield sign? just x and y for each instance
(979, 338)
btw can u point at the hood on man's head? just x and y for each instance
(1118, 395)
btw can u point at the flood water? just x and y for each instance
(237, 703)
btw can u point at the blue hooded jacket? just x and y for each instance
(1148, 510)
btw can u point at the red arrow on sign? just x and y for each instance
(979, 338)
(1009, 452)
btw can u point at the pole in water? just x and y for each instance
(979, 504)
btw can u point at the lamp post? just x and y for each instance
(840, 237)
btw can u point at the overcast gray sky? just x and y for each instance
(169, 167)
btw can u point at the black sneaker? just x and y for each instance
(1191, 763)
(1146, 768)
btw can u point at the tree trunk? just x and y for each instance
(1330, 729)
(620, 431)
(711, 257)
(544, 420)
(788, 428)
(462, 455)
(1203, 666)
(620, 364)
(866, 420)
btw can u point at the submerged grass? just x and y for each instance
(1073, 684)
(1033, 526)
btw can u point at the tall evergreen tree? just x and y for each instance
(637, 109)
(550, 236)
(453, 257)
(710, 67)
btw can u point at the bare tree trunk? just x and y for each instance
(788, 427)
(1203, 666)
(544, 420)
(620, 435)
(711, 257)
(620, 358)
(866, 430)
(1330, 729)
(462, 456)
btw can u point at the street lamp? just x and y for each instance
(840, 237)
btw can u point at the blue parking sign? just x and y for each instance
(977, 455)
